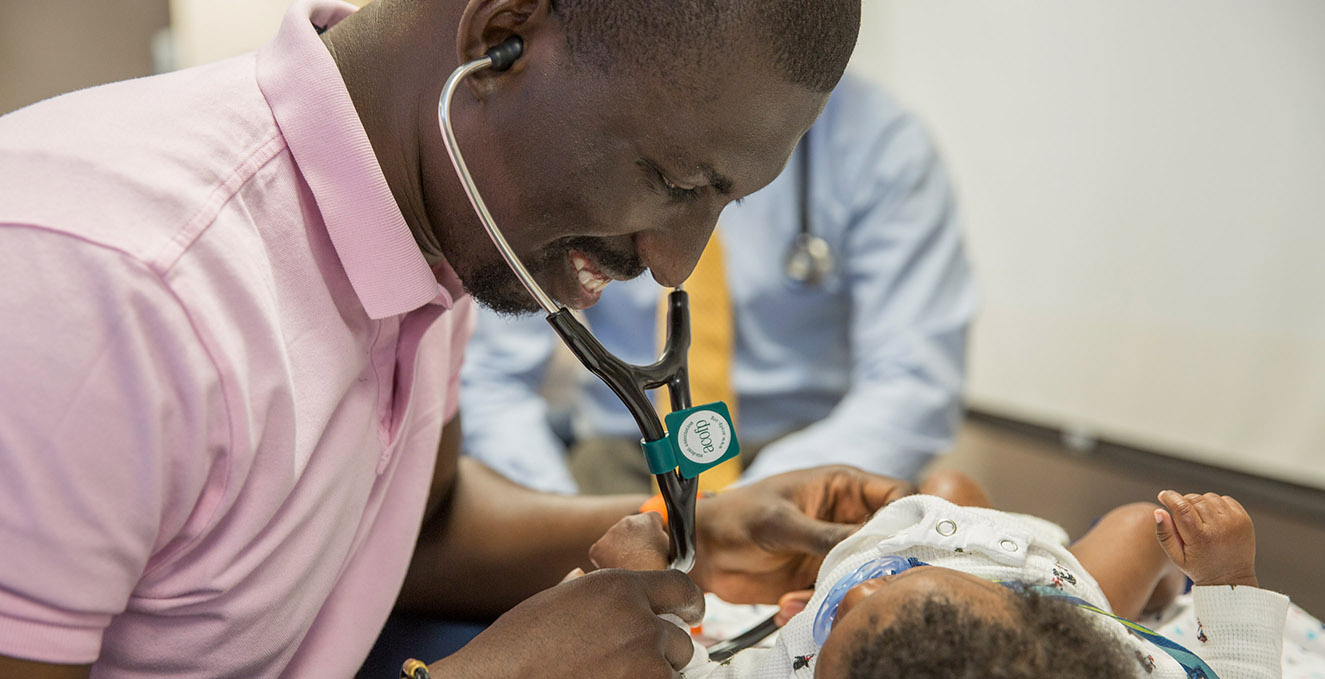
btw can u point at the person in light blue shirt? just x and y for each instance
(863, 368)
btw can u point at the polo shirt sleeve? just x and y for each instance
(108, 431)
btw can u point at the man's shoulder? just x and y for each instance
(874, 141)
(862, 105)
(131, 164)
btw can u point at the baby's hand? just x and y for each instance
(1209, 537)
(637, 542)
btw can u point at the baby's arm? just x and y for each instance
(1121, 553)
(637, 542)
(1211, 538)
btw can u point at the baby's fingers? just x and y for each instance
(1205, 508)
(1237, 507)
(1180, 507)
(1188, 513)
(1169, 539)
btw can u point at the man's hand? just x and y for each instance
(1210, 537)
(757, 542)
(604, 624)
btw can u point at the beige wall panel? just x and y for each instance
(207, 30)
(49, 47)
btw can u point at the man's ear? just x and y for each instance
(484, 24)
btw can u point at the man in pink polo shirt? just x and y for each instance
(234, 301)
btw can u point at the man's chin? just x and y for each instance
(521, 303)
(494, 286)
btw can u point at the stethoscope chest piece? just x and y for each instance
(810, 260)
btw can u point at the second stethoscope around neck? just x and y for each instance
(809, 261)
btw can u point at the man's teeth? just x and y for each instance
(589, 280)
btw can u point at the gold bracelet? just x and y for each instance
(413, 669)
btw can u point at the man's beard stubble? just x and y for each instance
(496, 287)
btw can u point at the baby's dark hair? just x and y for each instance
(935, 638)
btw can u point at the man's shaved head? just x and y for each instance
(808, 41)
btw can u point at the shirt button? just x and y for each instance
(946, 527)
(1008, 546)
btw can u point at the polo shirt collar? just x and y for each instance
(313, 109)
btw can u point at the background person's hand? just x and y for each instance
(637, 542)
(603, 624)
(1210, 537)
(757, 542)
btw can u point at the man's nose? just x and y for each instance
(671, 254)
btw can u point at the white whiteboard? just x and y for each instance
(1143, 185)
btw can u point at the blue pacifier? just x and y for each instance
(884, 565)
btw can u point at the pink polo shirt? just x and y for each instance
(224, 370)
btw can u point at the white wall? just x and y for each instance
(1144, 188)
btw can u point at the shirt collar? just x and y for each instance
(312, 107)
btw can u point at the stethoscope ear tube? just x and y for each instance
(467, 180)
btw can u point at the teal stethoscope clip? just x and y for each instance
(697, 439)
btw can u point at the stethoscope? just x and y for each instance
(809, 261)
(629, 382)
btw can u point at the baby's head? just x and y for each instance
(938, 623)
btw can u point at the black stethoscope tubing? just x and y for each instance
(809, 261)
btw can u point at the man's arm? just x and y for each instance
(488, 546)
(508, 429)
(912, 299)
(107, 434)
(487, 543)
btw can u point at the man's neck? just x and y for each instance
(385, 70)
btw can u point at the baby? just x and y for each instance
(934, 588)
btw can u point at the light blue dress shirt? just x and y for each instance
(865, 369)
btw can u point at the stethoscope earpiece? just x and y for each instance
(506, 53)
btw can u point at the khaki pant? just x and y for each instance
(606, 466)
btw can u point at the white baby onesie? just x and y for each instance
(998, 546)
